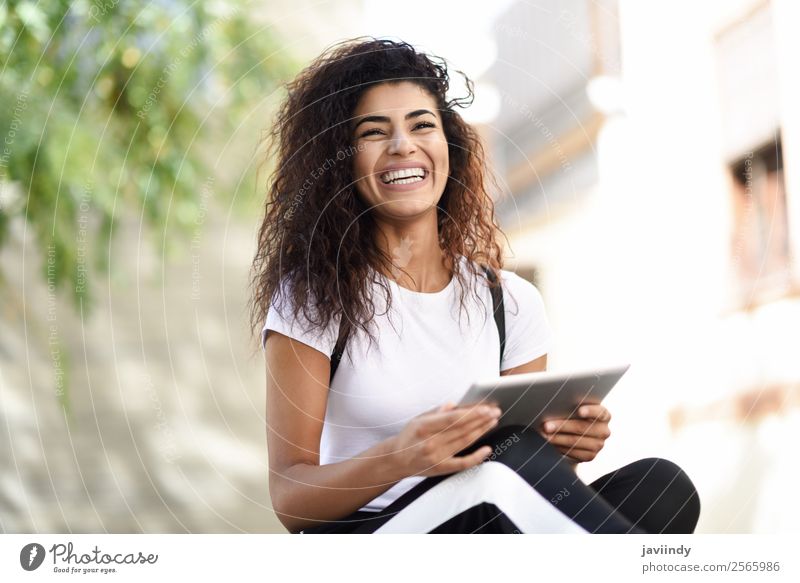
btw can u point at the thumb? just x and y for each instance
(446, 407)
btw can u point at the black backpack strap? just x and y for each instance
(498, 308)
(338, 351)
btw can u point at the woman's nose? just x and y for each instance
(401, 143)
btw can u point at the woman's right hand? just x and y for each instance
(427, 444)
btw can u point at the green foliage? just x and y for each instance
(111, 107)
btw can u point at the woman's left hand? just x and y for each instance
(582, 438)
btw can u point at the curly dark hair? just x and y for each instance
(317, 235)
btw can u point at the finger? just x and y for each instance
(463, 418)
(572, 450)
(446, 420)
(578, 427)
(468, 426)
(578, 455)
(479, 407)
(440, 408)
(576, 441)
(469, 434)
(439, 421)
(594, 411)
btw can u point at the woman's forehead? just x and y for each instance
(394, 99)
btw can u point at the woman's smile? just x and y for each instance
(405, 179)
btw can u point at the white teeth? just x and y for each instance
(407, 180)
(400, 176)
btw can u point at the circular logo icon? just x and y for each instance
(31, 556)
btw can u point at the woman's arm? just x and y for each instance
(297, 395)
(303, 492)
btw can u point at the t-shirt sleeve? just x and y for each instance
(280, 319)
(528, 332)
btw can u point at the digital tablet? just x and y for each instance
(530, 399)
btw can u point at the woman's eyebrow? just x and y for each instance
(384, 119)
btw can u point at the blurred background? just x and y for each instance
(648, 155)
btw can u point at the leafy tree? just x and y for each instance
(109, 107)
(104, 108)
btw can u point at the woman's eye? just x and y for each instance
(422, 125)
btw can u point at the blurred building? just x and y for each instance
(645, 157)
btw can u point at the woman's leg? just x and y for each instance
(653, 493)
(359, 521)
(524, 486)
(527, 486)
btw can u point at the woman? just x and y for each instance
(377, 230)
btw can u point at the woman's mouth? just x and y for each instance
(404, 178)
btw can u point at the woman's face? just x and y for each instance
(401, 162)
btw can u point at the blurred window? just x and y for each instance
(760, 229)
(749, 109)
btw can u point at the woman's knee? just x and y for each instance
(664, 471)
(671, 486)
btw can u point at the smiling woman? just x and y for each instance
(354, 99)
(390, 248)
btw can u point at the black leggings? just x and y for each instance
(526, 485)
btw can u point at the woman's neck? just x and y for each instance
(418, 262)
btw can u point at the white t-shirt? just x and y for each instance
(423, 358)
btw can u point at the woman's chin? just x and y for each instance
(404, 209)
